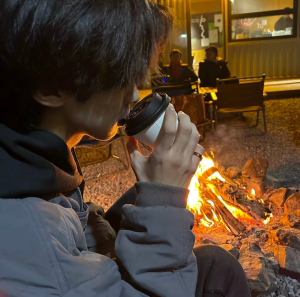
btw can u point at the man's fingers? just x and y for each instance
(196, 159)
(193, 141)
(184, 132)
(167, 133)
(137, 159)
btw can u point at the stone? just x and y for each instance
(286, 237)
(221, 239)
(207, 241)
(255, 169)
(259, 232)
(288, 258)
(258, 187)
(291, 221)
(278, 197)
(259, 275)
(217, 239)
(233, 172)
(292, 205)
(273, 264)
(269, 254)
(231, 249)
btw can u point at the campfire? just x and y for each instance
(220, 202)
(247, 213)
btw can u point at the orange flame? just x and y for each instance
(204, 208)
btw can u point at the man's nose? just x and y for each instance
(135, 95)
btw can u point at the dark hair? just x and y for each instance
(212, 48)
(175, 51)
(78, 46)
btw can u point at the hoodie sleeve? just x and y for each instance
(154, 248)
(155, 244)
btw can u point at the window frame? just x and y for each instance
(281, 12)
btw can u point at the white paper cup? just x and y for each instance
(146, 119)
(149, 136)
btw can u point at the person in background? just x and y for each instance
(212, 67)
(284, 22)
(177, 71)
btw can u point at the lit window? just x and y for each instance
(246, 6)
(262, 19)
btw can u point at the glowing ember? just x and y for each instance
(269, 216)
(204, 209)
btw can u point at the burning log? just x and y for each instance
(209, 172)
(229, 180)
(241, 200)
(218, 200)
(230, 221)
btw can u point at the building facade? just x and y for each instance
(256, 36)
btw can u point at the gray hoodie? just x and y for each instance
(43, 250)
(43, 241)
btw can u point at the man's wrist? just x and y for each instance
(154, 194)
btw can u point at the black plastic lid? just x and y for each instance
(145, 113)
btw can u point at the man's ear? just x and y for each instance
(50, 99)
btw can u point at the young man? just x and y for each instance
(177, 71)
(68, 69)
(212, 67)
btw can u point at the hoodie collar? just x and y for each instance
(37, 164)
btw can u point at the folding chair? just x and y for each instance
(246, 94)
(100, 151)
(194, 106)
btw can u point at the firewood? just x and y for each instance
(229, 180)
(230, 221)
(206, 174)
(243, 201)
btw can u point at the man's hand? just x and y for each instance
(172, 162)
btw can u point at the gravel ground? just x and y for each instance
(108, 189)
(232, 146)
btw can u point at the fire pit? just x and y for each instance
(258, 225)
(218, 201)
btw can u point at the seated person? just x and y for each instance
(177, 71)
(212, 67)
(59, 83)
(284, 22)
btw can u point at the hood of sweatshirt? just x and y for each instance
(38, 164)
